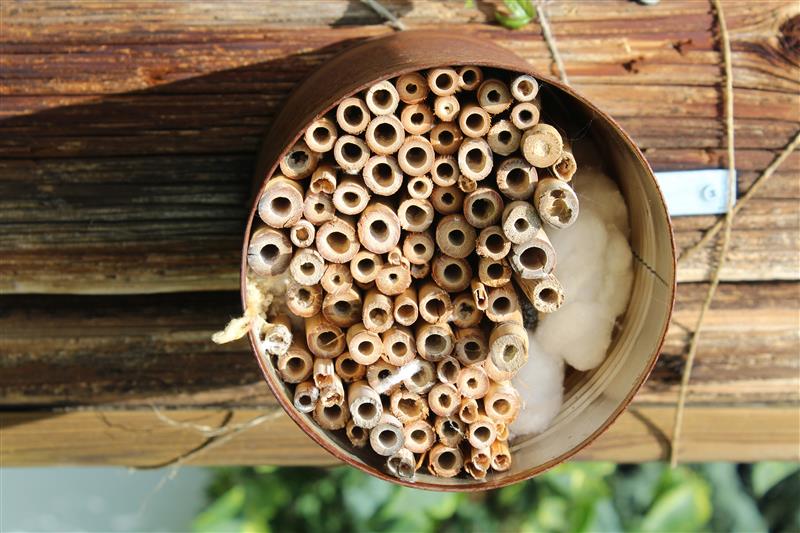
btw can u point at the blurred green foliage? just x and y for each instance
(517, 13)
(577, 496)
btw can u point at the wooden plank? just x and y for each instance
(148, 129)
(141, 350)
(142, 439)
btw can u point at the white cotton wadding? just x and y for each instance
(541, 390)
(595, 267)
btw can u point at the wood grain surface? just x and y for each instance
(128, 135)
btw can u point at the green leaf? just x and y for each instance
(683, 508)
(520, 13)
(734, 509)
(220, 515)
(767, 474)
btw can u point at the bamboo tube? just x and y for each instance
(495, 373)
(306, 395)
(450, 430)
(557, 203)
(471, 346)
(565, 168)
(534, 259)
(419, 187)
(469, 78)
(444, 399)
(516, 179)
(302, 234)
(468, 410)
(473, 382)
(411, 88)
(406, 309)
(358, 437)
(447, 200)
(377, 311)
(482, 432)
(446, 108)
(419, 436)
(434, 303)
(351, 153)
(365, 346)
(364, 404)
(365, 265)
(447, 370)
(408, 406)
(434, 341)
(272, 338)
(492, 243)
(474, 121)
(343, 309)
(479, 295)
(383, 377)
(483, 207)
(502, 402)
(475, 159)
(420, 271)
(307, 266)
(323, 180)
(379, 228)
(546, 294)
(318, 208)
(321, 135)
(494, 96)
(541, 145)
(348, 369)
(415, 214)
(494, 273)
(352, 115)
(387, 436)
(303, 301)
(295, 365)
(364, 286)
(350, 196)
(416, 156)
(299, 162)
(445, 171)
(281, 205)
(466, 184)
(332, 394)
(478, 463)
(398, 346)
(455, 236)
(451, 273)
(502, 432)
(443, 81)
(337, 278)
(501, 456)
(520, 222)
(333, 417)
(336, 240)
(508, 346)
(445, 462)
(323, 372)
(395, 257)
(525, 115)
(446, 137)
(418, 248)
(385, 135)
(382, 98)
(323, 338)
(393, 279)
(524, 88)
(503, 137)
(417, 119)
(465, 313)
(421, 381)
(269, 252)
(401, 464)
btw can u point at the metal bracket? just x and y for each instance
(695, 192)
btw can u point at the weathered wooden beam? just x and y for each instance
(138, 350)
(143, 439)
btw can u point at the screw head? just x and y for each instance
(708, 193)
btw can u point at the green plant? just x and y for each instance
(518, 13)
(574, 497)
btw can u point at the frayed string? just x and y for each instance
(258, 302)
